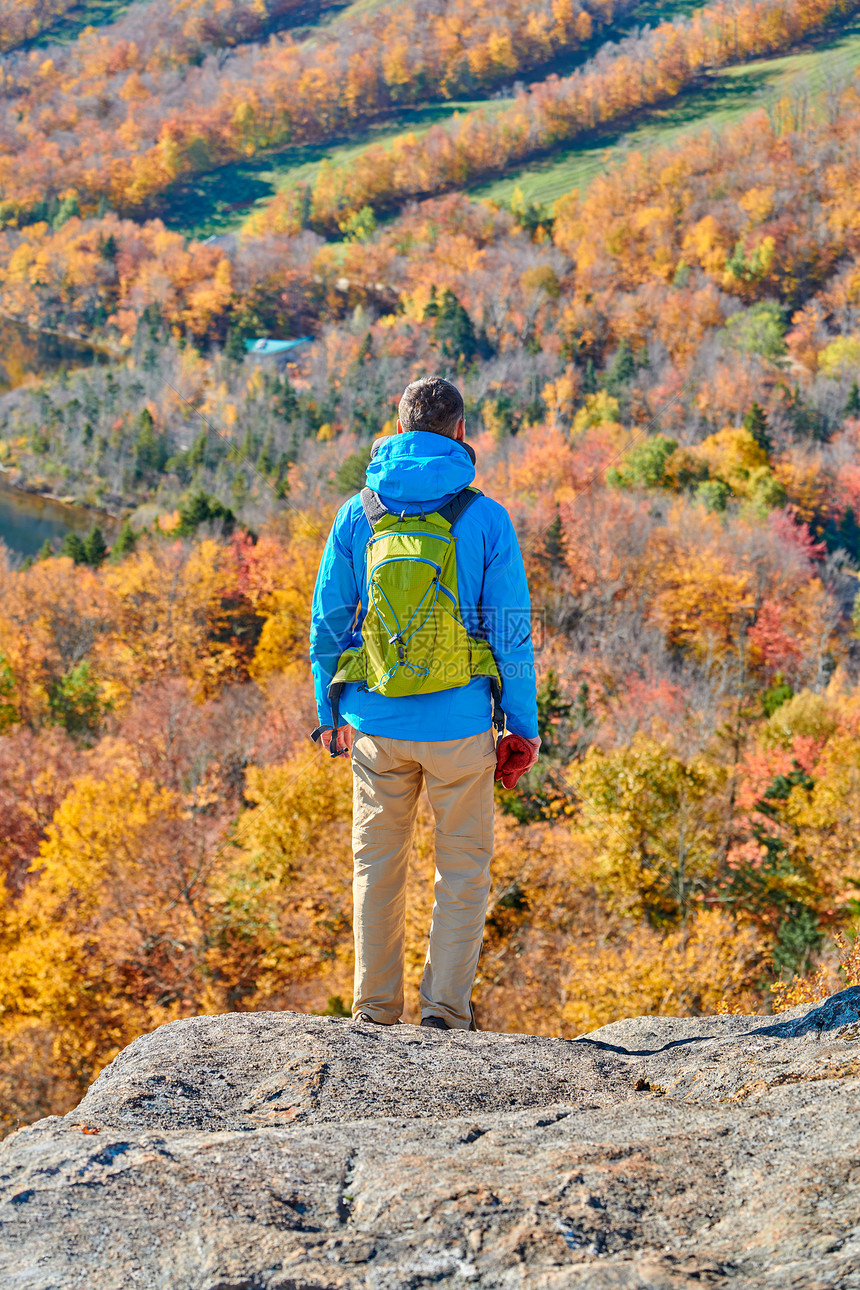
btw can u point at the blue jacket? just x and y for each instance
(414, 472)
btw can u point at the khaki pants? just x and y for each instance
(387, 779)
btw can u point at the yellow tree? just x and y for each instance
(168, 605)
(821, 822)
(52, 617)
(703, 597)
(283, 904)
(651, 822)
(75, 945)
(705, 967)
(281, 576)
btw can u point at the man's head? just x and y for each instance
(432, 404)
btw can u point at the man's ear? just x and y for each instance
(460, 432)
(400, 429)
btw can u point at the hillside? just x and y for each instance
(218, 201)
(661, 384)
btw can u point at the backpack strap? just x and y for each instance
(457, 505)
(372, 506)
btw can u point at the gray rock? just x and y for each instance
(245, 1070)
(269, 1151)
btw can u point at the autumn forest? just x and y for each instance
(661, 371)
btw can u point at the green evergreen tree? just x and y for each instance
(95, 547)
(756, 422)
(286, 400)
(553, 709)
(805, 422)
(151, 316)
(74, 547)
(201, 508)
(249, 446)
(540, 793)
(306, 205)
(282, 477)
(580, 710)
(196, 455)
(852, 407)
(682, 275)
(454, 331)
(622, 369)
(239, 488)
(553, 547)
(46, 550)
(265, 460)
(351, 476)
(125, 542)
(150, 449)
(67, 209)
(234, 345)
(843, 533)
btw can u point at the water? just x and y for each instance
(27, 521)
(25, 353)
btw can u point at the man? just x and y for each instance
(441, 735)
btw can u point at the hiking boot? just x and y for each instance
(365, 1016)
(434, 1023)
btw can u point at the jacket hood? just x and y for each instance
(419, 467)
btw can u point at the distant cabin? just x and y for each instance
(277, 352)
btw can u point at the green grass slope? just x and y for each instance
(90, 13)
(221, 200)
(731, 94)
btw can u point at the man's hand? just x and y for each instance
(345, 736)
(514, 756)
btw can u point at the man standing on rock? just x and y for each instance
(420, 645)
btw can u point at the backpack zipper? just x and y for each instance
(413, 559)
(378, 537)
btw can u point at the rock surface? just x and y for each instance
(273, 1151)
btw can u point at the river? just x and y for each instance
(26, 520)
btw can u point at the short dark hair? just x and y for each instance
(432, 404)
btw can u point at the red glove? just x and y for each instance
(514, 756)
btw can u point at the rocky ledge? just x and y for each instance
(271, 1151)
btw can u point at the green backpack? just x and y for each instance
(413, 638)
